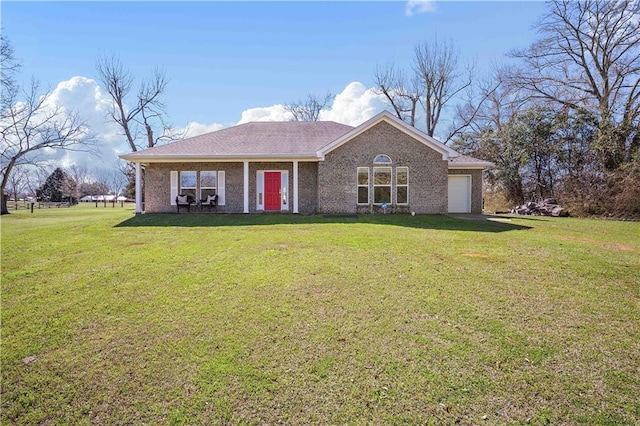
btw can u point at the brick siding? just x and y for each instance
(330, 186)
(158, 185)
(337, 185)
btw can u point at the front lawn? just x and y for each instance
(111, 318)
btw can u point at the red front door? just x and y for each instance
(272, 187)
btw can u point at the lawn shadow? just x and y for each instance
(419, 221)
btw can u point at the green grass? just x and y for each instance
(111, 318)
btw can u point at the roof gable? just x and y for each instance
(387, 117)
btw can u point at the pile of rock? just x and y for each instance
(548, 207)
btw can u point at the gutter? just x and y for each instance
(471, 165)
(222, 158)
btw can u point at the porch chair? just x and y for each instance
(211, 202)
(184, 201)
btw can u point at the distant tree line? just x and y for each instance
(68, 185)
(565, 122)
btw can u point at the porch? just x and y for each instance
(240, 186)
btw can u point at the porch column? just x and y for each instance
(246, 187)
(295, 187)
(138, 188)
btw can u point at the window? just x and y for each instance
(381, 185)
(402, 185)
(363, 185)
(188, 184)
(382, 159)
(208, 184)
(260, 191)
(283, 189)
(193, 183)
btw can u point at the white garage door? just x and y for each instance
(459, 194)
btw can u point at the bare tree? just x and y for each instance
(484, 128)
(18, 182)
(127, 172)
(113, 179)
(308, 109)
(473, 111)
(588, 60)
(8, 69)
(137, 113)
(437, 66)
(29, 125)
(37, 178)
(80, 175)
(92, 188)
(404, 95)
(118, 182)
(434, 81)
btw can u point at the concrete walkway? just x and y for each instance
(469, 216)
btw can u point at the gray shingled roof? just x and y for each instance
(269, 139)
(466, 161)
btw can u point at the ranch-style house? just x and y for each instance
(311, 167)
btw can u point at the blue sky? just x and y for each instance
(223, 58)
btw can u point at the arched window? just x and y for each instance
(379, 187)
(382, 159)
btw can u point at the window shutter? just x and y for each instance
(174, 187)
(221, 198)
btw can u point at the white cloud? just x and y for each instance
(272, 113)
(414, 7)
(355, 105)
(195, 129)
(83, 95)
